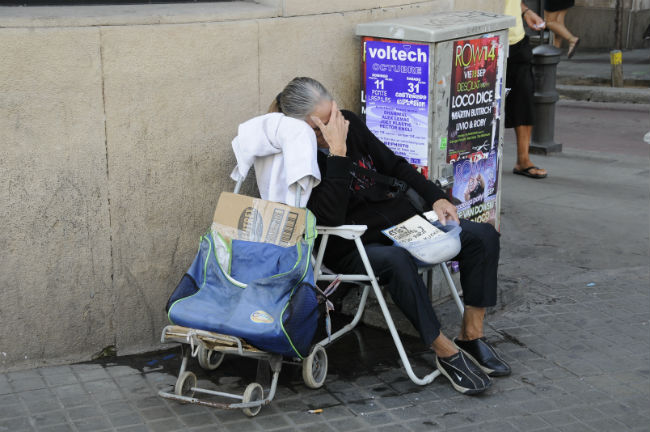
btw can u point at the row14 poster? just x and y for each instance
(473, 128)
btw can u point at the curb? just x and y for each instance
(605, 94)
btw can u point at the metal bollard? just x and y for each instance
(545, 60)
(616, 60)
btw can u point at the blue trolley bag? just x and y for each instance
(260, 292)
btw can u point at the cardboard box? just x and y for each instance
(253, 219)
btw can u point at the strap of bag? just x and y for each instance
(383, 179)
(402, 187)
(323, 297)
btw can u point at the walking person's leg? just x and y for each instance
(519, 112)
(555, 23)
(523, 134)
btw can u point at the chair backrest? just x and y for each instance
(240, 182)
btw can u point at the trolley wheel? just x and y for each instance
(314, 367)
(253, 392)
(184, 384)
(209, 359)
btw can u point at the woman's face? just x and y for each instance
(473, 183)
(323, 111)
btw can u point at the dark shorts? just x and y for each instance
(557, 5)
(519, 79)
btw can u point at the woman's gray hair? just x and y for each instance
(300, 97)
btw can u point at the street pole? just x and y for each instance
(619, 25)
(616, 56)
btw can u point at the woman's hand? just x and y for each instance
(335, 132)
(445, 211)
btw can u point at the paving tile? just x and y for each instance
(85, 368)
(364, 407)
(575, 427)
(135, 428)
(424, 425)
(377, 418)
(12, 410)
(93, 424)
(125, 419)
(300, 404)
(318, 427)
(392, 428)
(346, 424)
(230, 416)
(242, 425)
(61, 379)
(54, 370)
(335, 412)
(538, 406)
(91, 373)
(81, 412)
(57, 428)
(36, 396)
(528, 422)
(71, 391)
(49, 418)
(605, 425)
(148, 402)
(167, 425)
(303, 418)
(15, 424)
(117, 407)
(496, 426)
(133, 385)
(394, 402)
(635, 420)
(120, 370)
(273, 422)
(151, 414)
(5, 386)
(103, 390)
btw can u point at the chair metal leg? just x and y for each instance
(389, 321)
(357, 317)
(452, 288)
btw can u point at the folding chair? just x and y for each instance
(368, 281)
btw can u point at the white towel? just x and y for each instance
(283, 151)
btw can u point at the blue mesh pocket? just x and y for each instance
(300, 318)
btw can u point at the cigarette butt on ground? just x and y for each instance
(315, 411)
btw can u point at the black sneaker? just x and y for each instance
(485, 356)
(465, 376)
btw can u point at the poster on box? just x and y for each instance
(475, 186)
(475, 96)
(396, 96)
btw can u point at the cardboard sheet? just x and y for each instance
(253, 219)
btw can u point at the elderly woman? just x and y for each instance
(346, 196)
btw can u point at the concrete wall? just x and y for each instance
(116, 125)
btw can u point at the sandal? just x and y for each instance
(572, 48)
(526, 172)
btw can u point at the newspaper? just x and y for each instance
(413, 229)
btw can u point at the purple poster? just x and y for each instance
(475, 186)
(396, 76)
